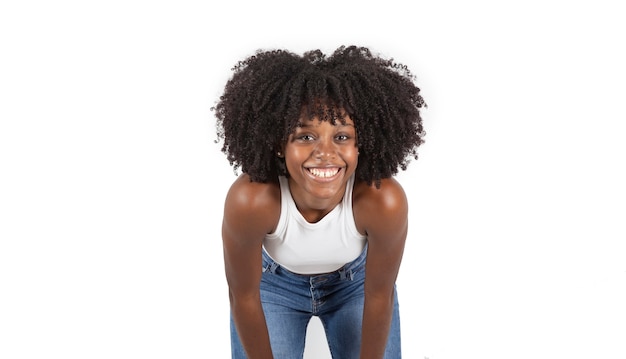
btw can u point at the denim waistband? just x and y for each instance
(345, 272)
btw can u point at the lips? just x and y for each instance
(326, 172)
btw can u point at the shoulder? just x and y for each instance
(379, 207)
(390, 196)
(252, 204)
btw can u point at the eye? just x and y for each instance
(306, 138)
(342, 137)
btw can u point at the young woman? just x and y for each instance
(315, 224)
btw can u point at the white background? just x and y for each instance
(112, 185)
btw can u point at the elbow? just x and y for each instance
(381, 298)
(244, 299)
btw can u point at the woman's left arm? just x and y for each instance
(384, 214)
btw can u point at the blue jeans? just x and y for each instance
(290, 300)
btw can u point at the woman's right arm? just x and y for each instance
(251, 211)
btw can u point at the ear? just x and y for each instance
(280, 152)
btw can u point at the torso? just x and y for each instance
(263, 201)
(322, 246)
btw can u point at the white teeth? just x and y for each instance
(324, 172)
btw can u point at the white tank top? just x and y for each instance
(312, 248)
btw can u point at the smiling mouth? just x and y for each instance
(324, 172)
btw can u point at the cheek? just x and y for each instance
(351, 156)
(294, 158)
(295, 154)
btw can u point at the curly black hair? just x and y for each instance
(271, 91)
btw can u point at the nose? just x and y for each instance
(325, 149)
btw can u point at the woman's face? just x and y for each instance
(320, 158)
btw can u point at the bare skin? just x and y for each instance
(320, 158)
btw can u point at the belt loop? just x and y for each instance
(271, 267)
(345, 276)
(342, 273)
